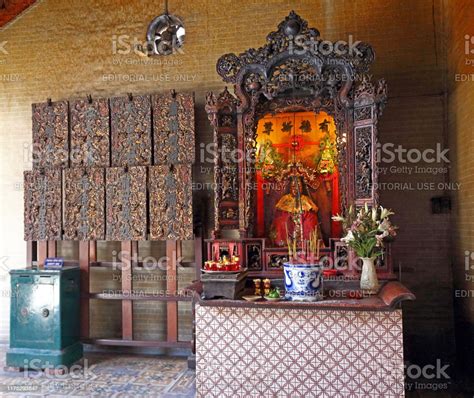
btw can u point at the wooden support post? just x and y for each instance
(93, 251)
(173, 249)
(84, 265)
(134, 253)
(52, 248)
(198, 255)
(198, 261)
(42, 252)
(29, 253)
(127, 305)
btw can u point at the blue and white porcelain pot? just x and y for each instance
(303, 282)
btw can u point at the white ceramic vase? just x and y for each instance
(303, 282)
(368, 279)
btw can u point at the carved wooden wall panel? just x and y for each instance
(222, 114)
(50, 134)
(228, 167)
(362, 113)
(369, 102)
(131, 131)
(90, 133)
(173, 122)
(104, 133)
(363, 162)
(170, 190)
(84, 203)
(126, 203)
(42, 205)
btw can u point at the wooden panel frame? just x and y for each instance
(131, 131)
(171, 209)
(42, 205)
(173, 252)
(126, 203)
(127, 305)
(84, 265)
(90, 133)
(84, 204)
(50, 134)
(173, 128)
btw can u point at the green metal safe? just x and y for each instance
(44, 318)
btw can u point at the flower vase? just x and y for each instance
(368, 279)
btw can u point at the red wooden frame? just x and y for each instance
(37, 252)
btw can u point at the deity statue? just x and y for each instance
(296, 214)
(327, 156)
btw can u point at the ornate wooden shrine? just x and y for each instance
(296, 145)
(303, 117)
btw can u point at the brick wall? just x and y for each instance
(63, 49)
(461, 105)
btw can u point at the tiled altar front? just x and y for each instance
(252, 352)
(259, 351)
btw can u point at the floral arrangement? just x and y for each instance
(367, 230)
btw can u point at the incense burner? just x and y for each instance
(303, 282)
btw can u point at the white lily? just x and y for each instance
(348, 238)
(385, 213)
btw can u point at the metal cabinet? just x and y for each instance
(44, 318)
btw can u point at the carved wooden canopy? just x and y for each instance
(295, 70)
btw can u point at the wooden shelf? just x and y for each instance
(136, 297)
(37, 252)
(139, 265)
(138, 343)
(111, 264)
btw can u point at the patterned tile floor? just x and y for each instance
(109, 375)
(106, 375)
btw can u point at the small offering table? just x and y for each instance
(330, 348)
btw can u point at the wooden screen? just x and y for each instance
(50, 135)
(171, 214)
(84, 202)
(90, 133)
(42, 216)
(173, 122)
(126, 203)
(131, 131)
